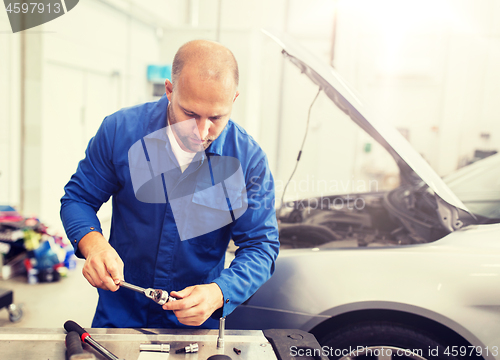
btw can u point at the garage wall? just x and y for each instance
(91, 69)
(428, 68)
(9, 114)
(80, 68)
(333, 160)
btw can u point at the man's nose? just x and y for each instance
(203, 128)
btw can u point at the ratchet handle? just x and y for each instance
(70, 326)
(73, 344)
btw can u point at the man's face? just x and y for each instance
(208, 102)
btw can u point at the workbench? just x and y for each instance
(49, 344)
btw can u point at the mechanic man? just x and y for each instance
(185, 134)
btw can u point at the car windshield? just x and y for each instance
(478, 186)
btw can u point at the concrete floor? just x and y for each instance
(50, 305)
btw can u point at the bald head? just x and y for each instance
(209, 60)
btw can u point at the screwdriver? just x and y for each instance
(158, 296)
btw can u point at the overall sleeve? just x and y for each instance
(256, 235)
(92, 185)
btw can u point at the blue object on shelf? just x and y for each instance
(158, 73)
(6, 208)
(45, 257)
(70, 259)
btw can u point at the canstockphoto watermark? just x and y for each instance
(310, 184)
(387, 351)
(267, 201)
(27, 14)
(347, 201)
(260, 191)
(354, 351)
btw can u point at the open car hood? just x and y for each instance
(408, 160)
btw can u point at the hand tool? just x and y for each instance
(84, 336)
(74, 348)
(191, 348)
(155, 347)
(220, 338)
(159, 296)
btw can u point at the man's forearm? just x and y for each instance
(91, 242)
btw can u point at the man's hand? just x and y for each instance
(103, 266)
(196, 303)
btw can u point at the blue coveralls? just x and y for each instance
(145, 234)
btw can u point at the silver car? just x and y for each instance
(415, 274)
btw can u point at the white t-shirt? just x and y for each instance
(184, 158)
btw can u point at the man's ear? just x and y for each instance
(236, 95)
(169, 88)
